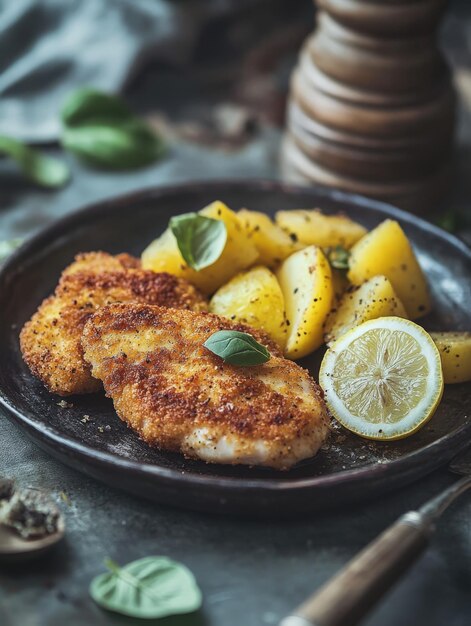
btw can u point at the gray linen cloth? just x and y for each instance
(50, 47)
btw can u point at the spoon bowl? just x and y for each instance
(16, 549)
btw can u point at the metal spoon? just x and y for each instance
(346, 598)
(13, 546)
(14, 549)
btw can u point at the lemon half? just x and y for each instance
(383, 379)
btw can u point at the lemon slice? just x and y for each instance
(383, 379)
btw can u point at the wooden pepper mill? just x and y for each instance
(371, 108)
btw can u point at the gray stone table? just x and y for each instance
(251, 572)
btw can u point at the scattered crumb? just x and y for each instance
(85, 419)
(226, 127)
(65, 405)
(107, 428)
(101, 429)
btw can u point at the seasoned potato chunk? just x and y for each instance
(306, 282)
(375, 298)
(273, 243)
(163, 255)
(386, 250)
(254, 298)
(312, 227)
(455, 353)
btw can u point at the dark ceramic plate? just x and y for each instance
(348, 469)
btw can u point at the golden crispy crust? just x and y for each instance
(50, 341)
(180, 396)
(98, 262)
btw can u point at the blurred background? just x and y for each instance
(211, 77)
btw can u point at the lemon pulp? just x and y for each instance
(383, 379)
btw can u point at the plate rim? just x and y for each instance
(42, 431)
(237, 484)
(107, 203)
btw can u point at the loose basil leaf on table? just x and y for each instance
(152, 587)
(200, 239)
(447, 221)
(102, 130)
(237, 348)
(123, 146)
(87, 105)
(8, 246)
(42, 170)
(453, 220)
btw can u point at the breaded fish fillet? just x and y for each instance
(50, 341)
(99, 262)
(179, 396)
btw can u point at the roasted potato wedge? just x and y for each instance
(254, 298)
(455, 353)
(306, 283)
(312, 227)
(386, 250)
(375, 298)
(273, 243)
(163, 255)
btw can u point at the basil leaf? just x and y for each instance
(237, 348)
(43, 170)
(448, 221)
(453, 220)
(338, 257)
(124, 146)
(152, 587)
(200, 239)
(87, 105)
(102, 130)
(8, 246)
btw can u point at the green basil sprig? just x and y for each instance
(42, 170)
(237, 348)
(453, 220)
(152, 587)
(200, 239)
(338, 257)
(100, 129)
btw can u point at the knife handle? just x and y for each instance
(348, 596)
